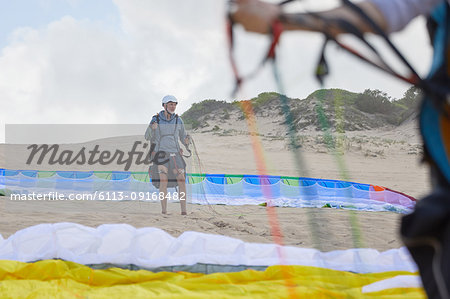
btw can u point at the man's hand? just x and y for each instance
(187, 140)
(154, 126)
(255, 15)
(258, 16)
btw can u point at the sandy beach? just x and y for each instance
(331, 231)
(387, 157)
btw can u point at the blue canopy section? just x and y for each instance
(216, 178)
(29, 173)
(213, 178)
(120, 175)
(8, 172)
(209, 188)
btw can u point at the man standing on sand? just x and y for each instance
(163, 132)
(426, 231)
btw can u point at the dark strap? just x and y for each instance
(159, 129)
(176, 124)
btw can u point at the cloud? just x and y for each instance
(182, 45)
(68, 71)
(78, 71)
(298, 54)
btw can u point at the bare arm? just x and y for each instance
(258, 16)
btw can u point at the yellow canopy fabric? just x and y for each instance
(63, 279)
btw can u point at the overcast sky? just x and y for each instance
(111, 61)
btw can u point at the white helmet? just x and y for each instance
(169, 98)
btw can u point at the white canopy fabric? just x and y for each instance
(150, 247)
